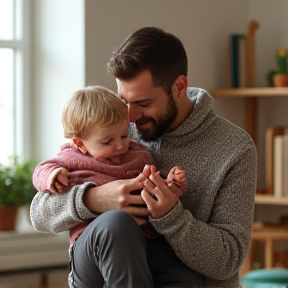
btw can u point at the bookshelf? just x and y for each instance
(250, 92)
(270, 200)
(251, 95)
(251, 122)
(262, 234)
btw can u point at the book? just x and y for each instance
(242, 62)
(285, 160)
(238, 60)
(270, 134)
(278, 166)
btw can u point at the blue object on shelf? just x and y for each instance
(264, 278)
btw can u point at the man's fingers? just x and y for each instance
(137, 211)
(157, 180)
(136, 199)
(150, 199)
(140, 220)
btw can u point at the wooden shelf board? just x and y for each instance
(266, 232)
(271, 200)
(250, 92)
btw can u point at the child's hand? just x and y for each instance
(177, 181)
(59, 181)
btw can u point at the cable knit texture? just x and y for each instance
(210, 226)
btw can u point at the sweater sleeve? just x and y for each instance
(44, 173)
(223, 241)
(59, 212)
(46, 170)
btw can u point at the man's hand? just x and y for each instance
(118, 195)
(158, 197)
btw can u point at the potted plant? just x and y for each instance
(280, 78)
(16, 189)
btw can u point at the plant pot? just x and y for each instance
(8, 216)
(280, 80)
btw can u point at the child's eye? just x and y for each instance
(107, 143)
(124, 136)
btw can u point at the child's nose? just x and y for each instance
(119, 146)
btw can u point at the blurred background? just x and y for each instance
(50, 48)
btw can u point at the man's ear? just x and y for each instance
(180, 86)
(80, 145)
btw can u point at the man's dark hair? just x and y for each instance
(151, 49)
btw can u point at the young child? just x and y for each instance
(100, 151)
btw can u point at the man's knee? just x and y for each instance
(115, 222)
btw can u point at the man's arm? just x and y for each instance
(59, 212)
(223, 241)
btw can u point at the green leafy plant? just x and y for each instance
(16, 187)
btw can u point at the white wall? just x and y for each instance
(58, 68)
(203, 27)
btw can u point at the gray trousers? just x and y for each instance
(113, 252)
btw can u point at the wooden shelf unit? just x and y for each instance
(271, 200)
(251, 95)
(250, 92)
(267, 235)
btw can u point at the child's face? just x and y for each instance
(107, 141)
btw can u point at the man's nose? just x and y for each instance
(134, 113)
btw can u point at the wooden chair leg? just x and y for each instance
(44, 280)
(269, 253)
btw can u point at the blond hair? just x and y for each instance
(93, 105)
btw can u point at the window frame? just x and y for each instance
(21, 45)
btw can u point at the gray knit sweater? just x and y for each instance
(210, 227)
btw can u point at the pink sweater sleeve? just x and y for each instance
(44, 174)
(48, 169)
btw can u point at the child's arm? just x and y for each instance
(58, 181)
(49, 177)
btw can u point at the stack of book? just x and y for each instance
(277, 161)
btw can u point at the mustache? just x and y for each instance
(144, 120)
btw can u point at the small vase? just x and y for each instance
(280, 80)
(8, 216)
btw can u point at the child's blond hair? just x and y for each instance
(93, 105)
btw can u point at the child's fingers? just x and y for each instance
(59, 187)
(62, 179)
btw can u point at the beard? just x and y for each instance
(159, 125)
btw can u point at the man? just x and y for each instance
(206, 233)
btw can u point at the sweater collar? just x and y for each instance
(202, 107)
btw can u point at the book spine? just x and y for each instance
(278, 165)
(270, 134)
(237, 53)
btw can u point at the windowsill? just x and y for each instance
(26, 248)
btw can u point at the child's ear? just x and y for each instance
(80, 145)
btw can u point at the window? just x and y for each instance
(14, 60)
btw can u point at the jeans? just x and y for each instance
(113, 252)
